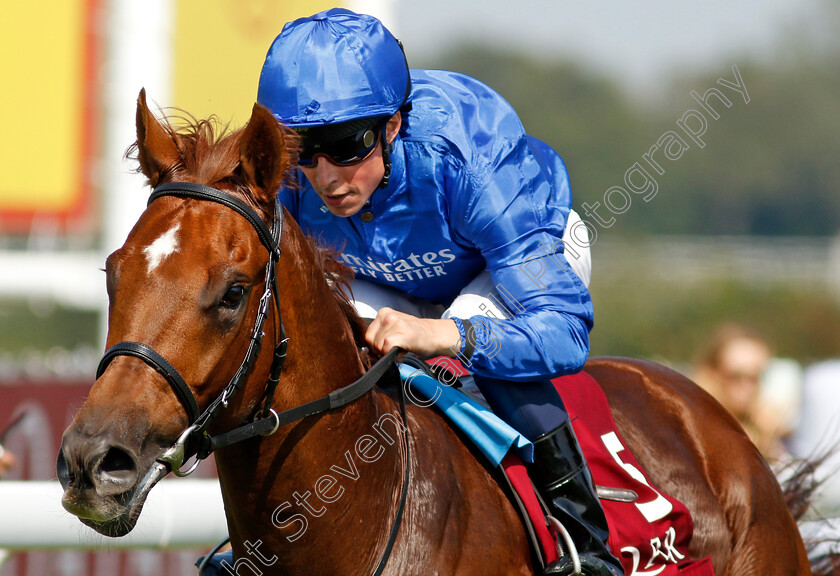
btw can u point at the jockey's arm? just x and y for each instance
(546, 332)
(514, 210)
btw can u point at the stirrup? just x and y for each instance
(571, 563)
(589, 567)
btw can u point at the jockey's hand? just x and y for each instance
(426, 337)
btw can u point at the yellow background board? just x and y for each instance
(42, 52)
(220, 46)
(48, 101)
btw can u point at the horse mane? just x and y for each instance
(210, 156)
(209, 152)
(340, 277)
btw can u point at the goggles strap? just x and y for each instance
(386, 157)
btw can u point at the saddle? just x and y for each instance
(650, 531)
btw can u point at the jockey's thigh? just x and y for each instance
(532, 408)
(369, 297)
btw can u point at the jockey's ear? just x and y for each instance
(264, 154)
(392, 128)
(156, 148)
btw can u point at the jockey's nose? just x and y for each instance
(325, 173)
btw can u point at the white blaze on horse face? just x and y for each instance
(162, 247)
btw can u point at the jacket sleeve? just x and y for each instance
(513, 207)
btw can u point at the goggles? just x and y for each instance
(344, 151)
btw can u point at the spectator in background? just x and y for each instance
(7, 460)
(730, 367)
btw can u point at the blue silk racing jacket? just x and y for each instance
(470, 191)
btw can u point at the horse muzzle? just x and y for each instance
(102, 483)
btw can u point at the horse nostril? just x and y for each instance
(116, 460)
(116, 472)
(62, 470)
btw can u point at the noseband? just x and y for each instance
(194, 439)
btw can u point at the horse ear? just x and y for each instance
(263, 154)
(156, 150)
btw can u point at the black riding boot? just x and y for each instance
(562, 476)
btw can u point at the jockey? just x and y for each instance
(455, 222)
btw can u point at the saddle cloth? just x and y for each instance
(650, 536)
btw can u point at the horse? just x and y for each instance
(355, 481)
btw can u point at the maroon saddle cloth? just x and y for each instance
(650, 535)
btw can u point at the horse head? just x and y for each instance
(186, 287)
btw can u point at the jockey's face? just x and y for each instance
(346, 189)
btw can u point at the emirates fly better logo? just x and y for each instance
(412, 267)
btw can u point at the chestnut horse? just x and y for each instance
(344, 490)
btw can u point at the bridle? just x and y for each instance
(195, 440)
(195, 435)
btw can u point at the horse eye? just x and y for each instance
(233, 296)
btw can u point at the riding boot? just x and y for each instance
(562, 476)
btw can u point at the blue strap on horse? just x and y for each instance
(493, 437)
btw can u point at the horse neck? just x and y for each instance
(322, 353)
(322, 357)
(322, 348)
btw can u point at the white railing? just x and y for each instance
(179, 514)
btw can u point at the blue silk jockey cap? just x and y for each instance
(333, 67)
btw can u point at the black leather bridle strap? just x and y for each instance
(202, 192)
(381, 366)
(331, 401)
(159, 363)
(337, 399)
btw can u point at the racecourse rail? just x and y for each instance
(179, 514)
